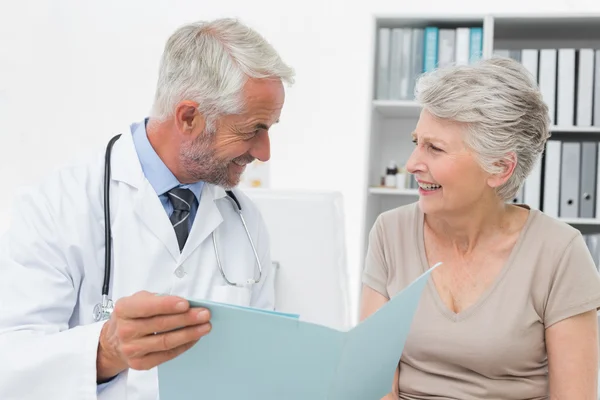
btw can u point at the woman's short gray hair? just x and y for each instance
(502, 107)
(209, 62)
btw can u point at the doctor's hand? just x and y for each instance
(146, 330)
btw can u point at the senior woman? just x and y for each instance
(511, 312)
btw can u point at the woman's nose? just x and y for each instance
(413, 162)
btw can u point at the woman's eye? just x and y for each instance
(429, 145)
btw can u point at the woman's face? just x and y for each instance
(450, 178)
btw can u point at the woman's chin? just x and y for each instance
(429, 205)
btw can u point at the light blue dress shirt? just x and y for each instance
(157, 173)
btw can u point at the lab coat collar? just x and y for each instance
(208, 218)
(125, 165)
(217, 192)
(126, 168)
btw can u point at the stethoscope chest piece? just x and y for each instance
(102, 311)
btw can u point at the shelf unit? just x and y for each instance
(394, 192)
(392, 121)
(397, 108)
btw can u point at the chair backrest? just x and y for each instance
(308, 245)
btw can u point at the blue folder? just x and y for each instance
(254, 354)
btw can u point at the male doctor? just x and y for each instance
(220, 89)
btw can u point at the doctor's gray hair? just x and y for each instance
(209, 62)
(502, 108)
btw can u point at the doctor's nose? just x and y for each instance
(261, 147)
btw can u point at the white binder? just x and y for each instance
(570, 169)
(533, 183)
(565, 99)
(552, 178)
(547, 80)
(383, 65)
(585, 87)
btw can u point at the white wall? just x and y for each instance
(72, 73)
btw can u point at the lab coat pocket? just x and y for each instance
(239, 296)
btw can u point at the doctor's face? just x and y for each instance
(220, 156)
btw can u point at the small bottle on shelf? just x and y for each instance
(401, 178)
(390, 174)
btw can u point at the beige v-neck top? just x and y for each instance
(494, 349)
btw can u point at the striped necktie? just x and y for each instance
(182, 200)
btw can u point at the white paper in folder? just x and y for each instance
(307, 233)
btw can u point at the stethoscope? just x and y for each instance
(104, 309)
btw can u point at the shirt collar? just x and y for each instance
(155, 170)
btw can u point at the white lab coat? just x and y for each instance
(52, 266)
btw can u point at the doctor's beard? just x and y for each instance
(201, 163)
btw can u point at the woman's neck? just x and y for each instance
(463, 231)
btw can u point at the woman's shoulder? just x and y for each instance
(549, 231)
(564, 280)
(547, 242)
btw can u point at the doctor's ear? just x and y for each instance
(188, 119)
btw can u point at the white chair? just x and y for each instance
(308, 244)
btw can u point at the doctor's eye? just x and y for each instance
(248, 135)
(252, 134)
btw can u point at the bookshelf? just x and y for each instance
(397, 108)
(394, 113)
(394, 192)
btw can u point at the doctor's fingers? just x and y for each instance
(163, 323)
(148, 352)
(145, 304)
(154, 359)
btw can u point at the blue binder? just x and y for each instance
(253, 354)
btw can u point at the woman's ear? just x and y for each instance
(507, 167)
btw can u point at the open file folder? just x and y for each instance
(260, 355)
